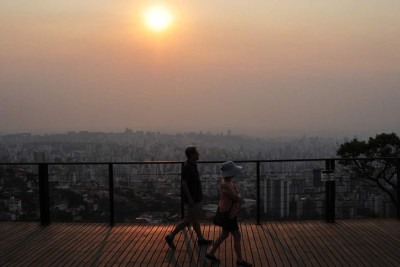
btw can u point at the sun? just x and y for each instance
(158, 18)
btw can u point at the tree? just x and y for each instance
(379, 173)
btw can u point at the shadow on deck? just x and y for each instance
(374, 242)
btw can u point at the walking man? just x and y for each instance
(192, 197)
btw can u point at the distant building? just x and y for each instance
(276, 197)
(39, 156)
(317, 177)
(14, 205)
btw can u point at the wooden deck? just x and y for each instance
(374, 242)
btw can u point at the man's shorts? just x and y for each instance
(192, 213)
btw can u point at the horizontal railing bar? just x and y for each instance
(204, 162)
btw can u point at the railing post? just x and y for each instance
(398, 189)
(258, 194)
(330, 188)
(44, 194)
(182, 203)
(111, 192)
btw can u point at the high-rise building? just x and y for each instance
(317, 177)
(39, 156)
(276, 196)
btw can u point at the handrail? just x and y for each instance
(209, 161)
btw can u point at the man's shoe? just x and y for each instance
(243, 264)
(212, 258)
(170, 242)
(204, 242)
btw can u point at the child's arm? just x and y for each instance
(230, 192)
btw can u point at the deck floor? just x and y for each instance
(374, 242)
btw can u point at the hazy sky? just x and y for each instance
(256, 67)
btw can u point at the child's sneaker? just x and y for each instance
(243, 264)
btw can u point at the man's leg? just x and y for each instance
(195, 216)
(179, 227)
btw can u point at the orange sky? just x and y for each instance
(259, 67)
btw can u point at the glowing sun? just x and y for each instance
(158, 18)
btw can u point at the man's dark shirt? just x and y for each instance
(190, 174)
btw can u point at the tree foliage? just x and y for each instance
(379, 168)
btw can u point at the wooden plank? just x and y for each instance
(353, 245)
(346, 243)
(323, 243)
(213, 233)
(5, 226)
(115, 240)
(391, 233)
(53, 245)
(248, 246)
(92, 254)
(8, 229)
(100, 245)
(358, 245)
(133, 248)
(284, 254)
(302, 247)
(148, 247)
(80, 245)
(17, 232)
(282, 229)
(254, 244)
(371, 241)
(125, 237)
(68, 246)
(340, 244)
(199, 257)
(159, 248)
(125, 257)
(316, 247)
(196, 254)
(187, 246)
(269, 250)
(14, 234)
(173, 254)
(20, 242)
(175, 257)
(336, 246)
(305, 248)
(85, 239)
(30, 247)
(377, 230)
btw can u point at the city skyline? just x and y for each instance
(272, 68)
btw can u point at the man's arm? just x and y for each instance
(186, 191)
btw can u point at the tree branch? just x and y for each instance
(392, 197)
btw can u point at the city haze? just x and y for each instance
(260, 68)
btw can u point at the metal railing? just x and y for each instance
(329, 205)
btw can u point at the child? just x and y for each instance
(229, 201)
